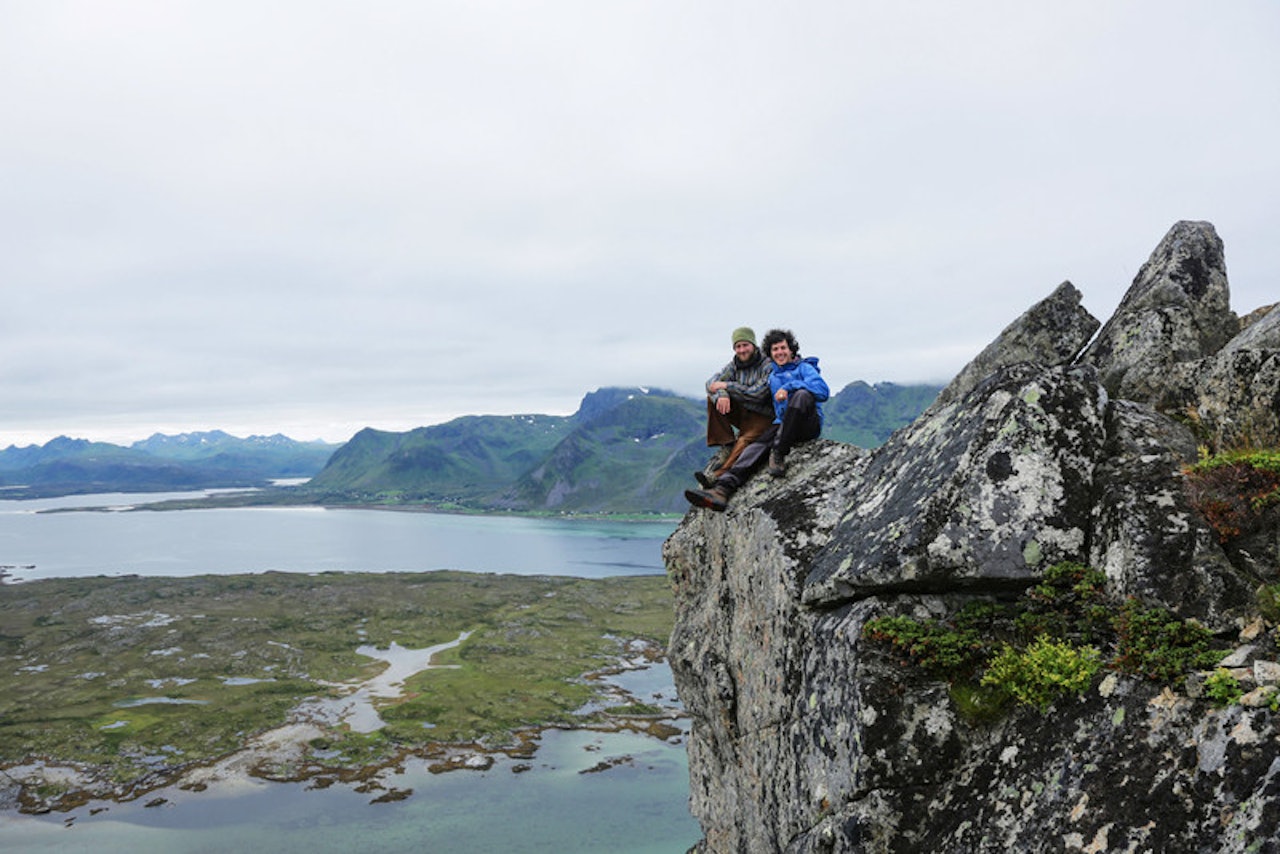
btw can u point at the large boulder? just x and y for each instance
(985, 491)
(1145, 535)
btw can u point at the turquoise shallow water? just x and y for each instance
(634, 807)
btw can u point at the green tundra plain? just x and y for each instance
(134, 681)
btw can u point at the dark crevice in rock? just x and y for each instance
(965, 587)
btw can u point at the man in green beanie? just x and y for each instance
(738, 399)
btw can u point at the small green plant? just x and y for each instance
(937, 649)
(979, 703)
(1269, 602)
(1153, 643)
(1223, 688)
(1044, 671)
(1068, 603)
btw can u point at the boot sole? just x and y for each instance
(697, 499)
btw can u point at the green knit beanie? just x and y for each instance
(744, 333)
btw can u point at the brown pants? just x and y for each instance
(720, 430)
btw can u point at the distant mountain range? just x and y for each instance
(161, 463)
(626, 450)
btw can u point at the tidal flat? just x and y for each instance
(114, 687)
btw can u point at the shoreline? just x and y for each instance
(273, 496)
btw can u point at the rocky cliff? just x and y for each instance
(1065, 443)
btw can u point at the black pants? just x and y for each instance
(800, 423)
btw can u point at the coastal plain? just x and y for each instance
(114, 686)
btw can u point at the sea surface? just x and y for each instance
(110, 541)
(584, 791)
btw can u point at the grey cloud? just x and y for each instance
(322, 214)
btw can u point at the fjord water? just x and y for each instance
(584, 792)
(309, 539)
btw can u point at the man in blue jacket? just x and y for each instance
(798, 393)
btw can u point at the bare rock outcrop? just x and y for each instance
(1053, 332)
(1177, 310)
(808, 737)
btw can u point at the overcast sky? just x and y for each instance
(311, 217)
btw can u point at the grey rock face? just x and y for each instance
(1258, 331)
(1052, 332)
(1177, 310)
(809, 738)
(983, 492)
(1235, 397)
(1145, 536)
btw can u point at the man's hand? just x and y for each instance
(718, 385)
(722, 406)
(781, 395)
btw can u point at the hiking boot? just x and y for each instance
(777, 464)
(704, 480)
(715, 498)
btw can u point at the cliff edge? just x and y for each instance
(1064, 444)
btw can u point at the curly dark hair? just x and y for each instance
(773, 336)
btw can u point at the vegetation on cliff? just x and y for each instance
(1238, 492)
(1048, 644)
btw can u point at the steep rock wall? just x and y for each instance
(809, 738)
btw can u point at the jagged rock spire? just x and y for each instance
(1177, 310)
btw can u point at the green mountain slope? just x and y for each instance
(468, 461)
(634, 457)
(626, 450)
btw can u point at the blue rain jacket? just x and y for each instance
(800, 374)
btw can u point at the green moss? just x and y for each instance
(979, 703)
